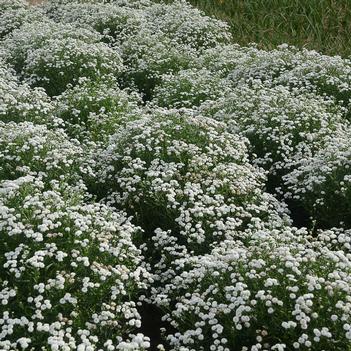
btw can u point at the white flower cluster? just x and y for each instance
(56, 56)
(93, 110)
(115, 23)
(148, 57)
(27, 148)
(197, 151)
(63, 62)
(170, 40)
(336, 239)
(18, 102)
(7, 5)
(287, 66)
(189, 176)
(185, 25)
(280, 293)
(324, 75)
(294, 107)
(189, 88)
(224, 59)
(68, 269)
(53, 6)
(322, 181)
(14, 14)
(278, 122)
(33, 36)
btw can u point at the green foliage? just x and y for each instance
(281, 291)
(62, 63)
(27, 148)
(93, 110)
(183, 174)
(322, 25)
(67, 266)
(191, 144)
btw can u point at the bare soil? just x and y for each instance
(35, 2)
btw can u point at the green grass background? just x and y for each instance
(322, 25)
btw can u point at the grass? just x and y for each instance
(322, 25)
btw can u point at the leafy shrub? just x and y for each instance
(224, 58)
(148, 56)
(114, 22)
(93, 110)
(19, 103)
(53, 5)
(322, 182)
(336, 239)
(13, 17)
(64, 62)
(155, 114)
(185, 25)
(328, 76)
(133, 4)
(28, 148)
(69, 270)
(8, 5)
(171, 39)
(189, 88)
(266, 66)
(187, 175)
(33, 36)
(278, 122)
(155, 39)
(284, 292)
(321, 74)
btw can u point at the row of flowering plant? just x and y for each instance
(145, 159)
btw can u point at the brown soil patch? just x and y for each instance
(35, 2)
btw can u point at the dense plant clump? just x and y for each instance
(92, 110)
(187, 175)
(322, 181)
(115, 23)
(189, 88)
(69, 269)
(35, 36)
(171, 40)
(19, 103)
(13, 14)
(279, 123)
(147, 163)
(26, 148)
(184, 25)
(325, 75)
(266, 296)
(63, 62)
